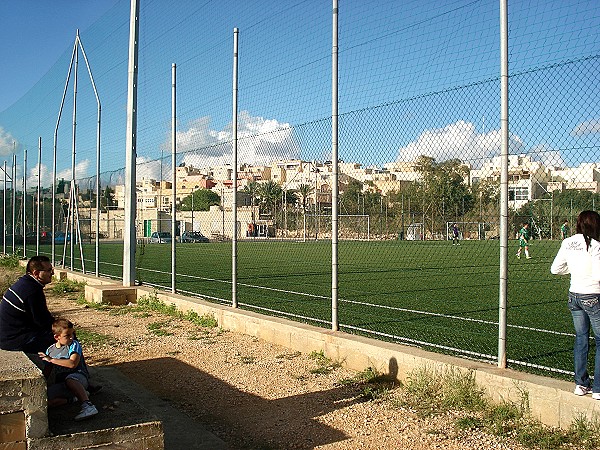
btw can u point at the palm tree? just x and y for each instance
(305, 190)
(269, 193)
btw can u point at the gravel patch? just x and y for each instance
(253, 394)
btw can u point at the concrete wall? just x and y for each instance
(23, 405)
(551, 401)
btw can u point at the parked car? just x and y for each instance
(160, 237)
(60, 238)
(193, 236)
(45, 237)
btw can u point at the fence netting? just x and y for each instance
(419, 163)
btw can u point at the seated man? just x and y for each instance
(25, 321)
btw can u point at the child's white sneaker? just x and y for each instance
(583, 390)
(87, 410)
(596, 395)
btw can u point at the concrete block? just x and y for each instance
(12, 427)
(110, 294)
(147, 435)
(23, 389)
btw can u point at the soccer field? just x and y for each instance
(426, 293)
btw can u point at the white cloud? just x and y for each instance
(6, 143)
(587, 127)
(260, 141)
(458, 140)
(547, 156)
(81, 171)
(151, 169)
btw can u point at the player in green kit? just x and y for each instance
(564, 230)
(524, 235)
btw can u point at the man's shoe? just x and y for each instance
(583, 390)
(87, 410)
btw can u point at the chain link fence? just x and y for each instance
(419, 166)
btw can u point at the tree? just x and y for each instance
(107, 198)
(444, 193)
(251, 189)
(268, 194)
(201, 200)
(305, 191)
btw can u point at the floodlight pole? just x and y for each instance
(234, 174)
(174, 169)
(334, 157)
(503, 184)
(129, 241)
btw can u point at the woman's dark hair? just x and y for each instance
(588, 224)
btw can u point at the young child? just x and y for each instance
(66, 357)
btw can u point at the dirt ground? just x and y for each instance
(249, 393)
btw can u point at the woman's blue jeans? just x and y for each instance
(585, 309)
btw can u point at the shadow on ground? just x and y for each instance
(241, 419)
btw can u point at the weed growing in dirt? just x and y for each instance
(156, 328)
(429, 391)
(65, 286)
(80, 300)
(87, 337)
(7, 278)
(585, 432)
(9, 261)
(373, 385)
(288, 355)
(324, 365)
(152, 303)
(204, 321)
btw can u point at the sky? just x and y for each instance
(415, 77)
(34, 34)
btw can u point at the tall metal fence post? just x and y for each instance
(73, 190)
(129, 234)
(24, 221)
(503, 184)
(174, 170)
(234, 175)
(39, 191)
(14, 197)
(4, 212)
(334, 158)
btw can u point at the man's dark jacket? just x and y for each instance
(23, 313)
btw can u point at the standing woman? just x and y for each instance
(579, 255)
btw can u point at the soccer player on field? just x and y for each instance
(524, 235)
(564, 230)
(455, 235)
